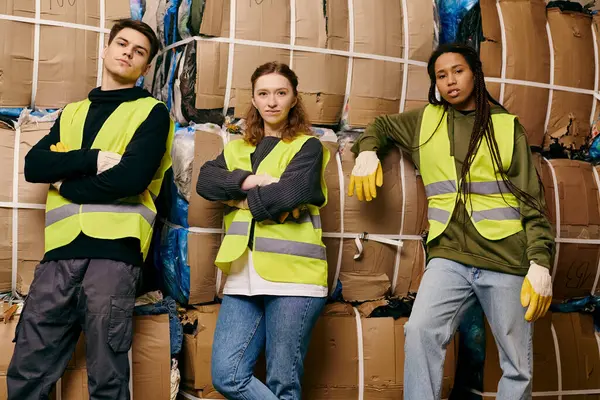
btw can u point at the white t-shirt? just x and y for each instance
(244, 280)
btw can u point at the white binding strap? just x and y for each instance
(101, 41)
(15, 212)
(558, 217)
(504, 53)
(361, 355)
(350, 61)
(39, 21)
(596, 71)
(399, 247)
(292, 31)
(36, 52)
(558, 363)
(550, 92)
(405, 55)
(188, 396)
(232, 17)
(338, 265)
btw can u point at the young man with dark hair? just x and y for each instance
(105, 158)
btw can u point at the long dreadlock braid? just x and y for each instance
(482, 127)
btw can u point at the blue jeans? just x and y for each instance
(246, 325)
(447, 290)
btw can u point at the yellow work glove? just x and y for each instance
(366, 176)
(536, 292)
(59, 147)
(295, 214)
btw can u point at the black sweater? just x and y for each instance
(78, 170)
(300, 183)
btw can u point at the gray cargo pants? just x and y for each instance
(66, 297)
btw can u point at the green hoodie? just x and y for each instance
(460, 241)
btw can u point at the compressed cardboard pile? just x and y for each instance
(381, 270)
(565, 358)
(151, 361)
(29, 216)
(375, 86)
(333, 363)
(571, 192)
(67, 65)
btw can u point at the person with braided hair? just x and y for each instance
(489, 238)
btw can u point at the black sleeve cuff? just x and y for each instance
(91, 161)
(259, 212)
(233, 184)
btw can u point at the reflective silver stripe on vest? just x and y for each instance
(308, 217)
(140, 209)
(439, 215)
(290, 248)
(488, 187)
(238, 228)
(443, 187)
(60, 213)
(497, 214)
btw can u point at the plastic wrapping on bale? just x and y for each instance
(451, 12)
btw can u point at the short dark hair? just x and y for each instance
(142, 28)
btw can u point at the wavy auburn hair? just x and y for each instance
(297, 120)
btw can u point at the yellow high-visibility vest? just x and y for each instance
(492, 208)
(129, 217)
(289, 252)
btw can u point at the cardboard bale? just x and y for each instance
(322, 77)
(579, 219)
(30, 238)
(391, 213)
(5, 250)
(574, 67)
(376, 85)
(527, 60)
(417, 89)
(203, 247)
(68, 58)
(16, 54)
(332, 365)
(211, 74)
(490, 50)
(578, 358)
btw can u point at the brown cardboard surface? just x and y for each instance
(266, 21)
(491, 48)
(204, 213)
(30, 246)
(578, 351)
(215, 19)
(150, 352)
(16, 57)
(68, 65)
(574, 67)
(322, 85)
(7, 145)
(527, 60)
(197, 350)
(376, 85)
(580, 218)
(3, 389)
(202, 251)
(417, 89)
(331, 365)
(5, 250)
(211, 74)
(420, 30)
(68, 57)
(314, 29)
(208, 393)
(34, 193)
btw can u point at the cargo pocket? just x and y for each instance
(120, 324)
